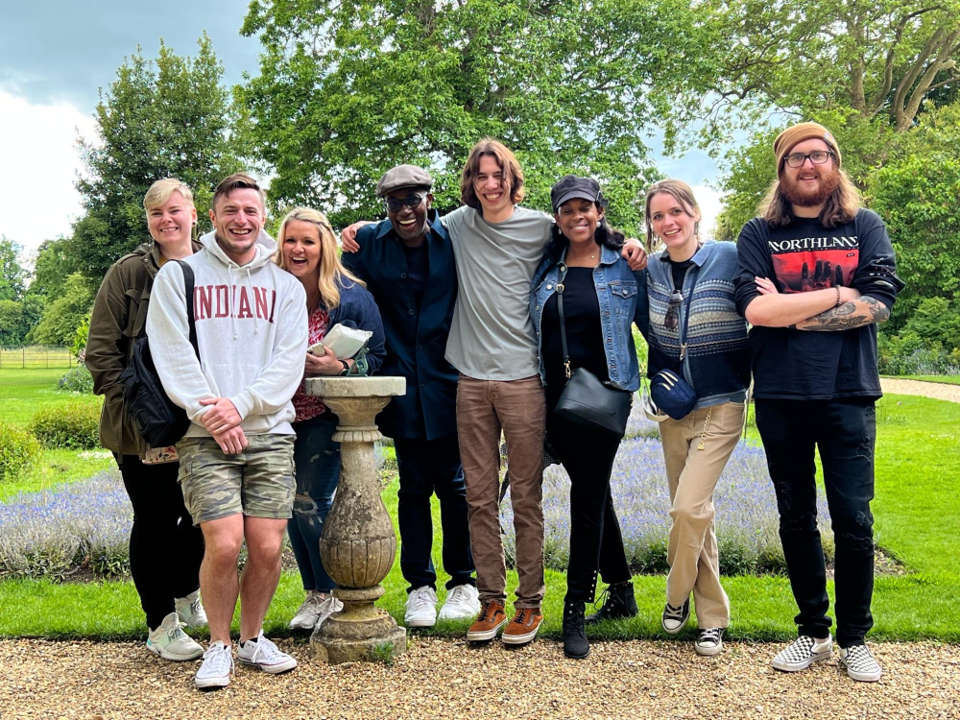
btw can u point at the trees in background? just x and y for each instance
(168, 117)
(349, 89)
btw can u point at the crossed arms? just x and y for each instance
(816, 311)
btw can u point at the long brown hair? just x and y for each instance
(512, 174)
(332, 271)
(839, 208)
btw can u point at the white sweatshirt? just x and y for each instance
(252, 333)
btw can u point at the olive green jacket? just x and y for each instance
(118, 319)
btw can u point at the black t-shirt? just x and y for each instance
(581, 310)
(804, 256)
(418, 268)
(679, 270)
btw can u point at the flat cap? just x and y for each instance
(403, 176)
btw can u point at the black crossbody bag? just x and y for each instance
(586, 400)
(159, 420)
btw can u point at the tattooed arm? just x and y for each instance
(848, 315)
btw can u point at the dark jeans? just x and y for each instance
(165, 548)
(427, 467)
(595, 540)
(317, 460)
(845, 432)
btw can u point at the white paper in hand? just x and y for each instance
(344, 342)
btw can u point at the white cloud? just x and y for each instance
(40, 159)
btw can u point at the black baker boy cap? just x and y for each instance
(571, 187)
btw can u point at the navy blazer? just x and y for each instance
(357, 309)
(416, 338)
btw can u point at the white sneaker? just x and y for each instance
(190, 610)
(262, 653)
(421, 608)
(860, 664)
(314, 610)
(170, 642)
(463, 602)
(802, 653)
(216, 668)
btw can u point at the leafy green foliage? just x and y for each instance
(18, 451)
(168, 117)
(54, 265)
(73, 426)
(12, 274)
(349, 89)
(63, 315)
(78, 380)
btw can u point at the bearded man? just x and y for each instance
(817, 274)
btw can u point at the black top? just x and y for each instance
(679, 270)
(584, 333)
(800, 257)
(418, 269)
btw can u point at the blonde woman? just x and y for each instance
(165, 547)
(308, 250)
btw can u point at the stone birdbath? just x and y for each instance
(358, 545)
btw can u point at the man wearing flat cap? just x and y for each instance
(817, 274)
(407, 262)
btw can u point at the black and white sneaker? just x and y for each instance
(802, 653)
(675, 617)
(860, 663)
(709, 641)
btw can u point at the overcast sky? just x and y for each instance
(56, 55)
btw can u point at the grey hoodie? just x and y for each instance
(251, 330)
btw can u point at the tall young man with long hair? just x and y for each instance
(817, 274)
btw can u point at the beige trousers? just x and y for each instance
(696, 449)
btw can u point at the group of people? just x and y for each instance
(486, 311)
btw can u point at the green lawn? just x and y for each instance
(22, 393)
(951, 379)
(917, 520)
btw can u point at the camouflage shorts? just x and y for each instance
(258, 482)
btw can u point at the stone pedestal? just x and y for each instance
(358, 544)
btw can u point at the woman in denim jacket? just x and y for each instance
(600, 305)
(692, 327)
(308, 250)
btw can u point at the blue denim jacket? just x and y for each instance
(617, 293)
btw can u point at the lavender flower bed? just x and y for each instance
(56, 532)
(747, 519)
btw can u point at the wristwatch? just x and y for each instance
(346, 368)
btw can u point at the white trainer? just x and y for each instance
(216, 668)
(802, 653)
(314, 610)
(860, 663)
(262, 653)
(463, 602)
(170, 642)
(421, 607)
(190, 610)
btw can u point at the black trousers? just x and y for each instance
(165, 548)
(595, 540)
(427, 467)
(845, 433)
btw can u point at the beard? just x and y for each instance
(808, 197)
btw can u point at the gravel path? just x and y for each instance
(446, 678)
(937, 391)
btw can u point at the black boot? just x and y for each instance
(620, 604)
(575, 643)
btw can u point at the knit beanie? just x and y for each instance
(792, 136)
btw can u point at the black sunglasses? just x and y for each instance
(672, 317)
(411, 201)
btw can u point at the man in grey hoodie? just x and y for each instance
(236, 459)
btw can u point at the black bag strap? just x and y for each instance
(563, 325)
(695, 269)
(188, 282)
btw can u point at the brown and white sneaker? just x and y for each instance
(523, 628)
(492, 617)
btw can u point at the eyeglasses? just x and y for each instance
(672, 318)
(411, 201)
(817, 157)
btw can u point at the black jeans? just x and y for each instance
(845, 432)
(427, 467)
(165, 548)
(595, 540)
